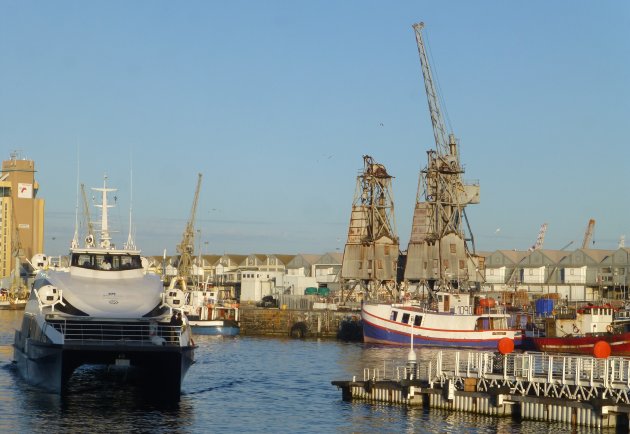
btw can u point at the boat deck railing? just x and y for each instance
(108, 332)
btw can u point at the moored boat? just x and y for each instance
(578, 331)
(450, 320)
(104, 310)
(211, 310)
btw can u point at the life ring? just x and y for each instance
(609, 328)
(576, 329)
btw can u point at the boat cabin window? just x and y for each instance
(405, 318)
(106, 261)
(393, 315)
(417, 320)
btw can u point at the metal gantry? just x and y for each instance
(371, 252)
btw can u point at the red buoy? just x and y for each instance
(506, 346)
(601, 349)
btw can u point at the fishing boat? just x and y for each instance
(446, 320)
(104, 310)
(211, 310)
(579, 331)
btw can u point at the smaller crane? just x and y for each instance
(186, 247)
(541, 238)
(588, 234)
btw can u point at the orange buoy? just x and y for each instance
(505, 346)
(601, 350)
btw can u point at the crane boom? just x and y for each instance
(186, 247)
(588, 234)
(443, 146)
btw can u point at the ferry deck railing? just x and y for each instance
(105, 332)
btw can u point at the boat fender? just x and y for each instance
(505, 346)
(298, 330)
(601, 350)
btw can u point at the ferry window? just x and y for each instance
(417, 320)
(393, 315)
(405, 318)
(84, 261)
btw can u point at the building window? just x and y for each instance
(462, 264)
(453, 248)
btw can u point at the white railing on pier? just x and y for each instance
(541, 368)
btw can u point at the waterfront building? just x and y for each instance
(22, 215)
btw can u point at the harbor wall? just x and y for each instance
(297, 323)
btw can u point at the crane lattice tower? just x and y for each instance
(370, 257)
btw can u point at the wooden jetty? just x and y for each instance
(576, 390)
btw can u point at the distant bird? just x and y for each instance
(381, 124)
(497, 231)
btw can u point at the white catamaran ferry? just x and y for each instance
(104, 310)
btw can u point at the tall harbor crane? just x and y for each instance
(370, 255)
(186, 248)
(588, 233)
(439, 252)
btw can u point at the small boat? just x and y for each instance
(578, 331)
(16, 295)
(211, 310)
(12, 298)
(105, 309)
(448, 319)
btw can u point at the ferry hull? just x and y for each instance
(378, 329)
(50, 366)
(619, 344)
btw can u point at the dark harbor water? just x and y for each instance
(240, 384)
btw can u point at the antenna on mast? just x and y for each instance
(130, 245)
(75, 239)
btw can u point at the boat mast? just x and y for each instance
(105, 241)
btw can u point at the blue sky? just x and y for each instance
(276, 102)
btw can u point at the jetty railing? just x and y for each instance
(540, 374)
